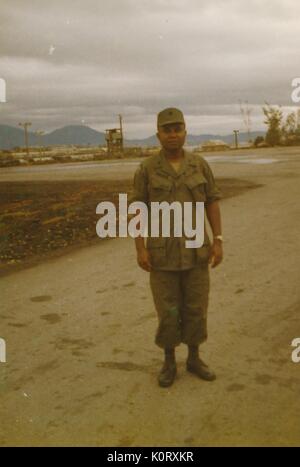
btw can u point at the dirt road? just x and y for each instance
(81, 362)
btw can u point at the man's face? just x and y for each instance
(172, 136)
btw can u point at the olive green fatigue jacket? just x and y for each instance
(156, 180)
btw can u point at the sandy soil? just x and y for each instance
(81, 363)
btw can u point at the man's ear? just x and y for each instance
(158, 137)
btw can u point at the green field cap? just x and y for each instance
(170, 115)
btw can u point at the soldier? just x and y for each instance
(179, 276)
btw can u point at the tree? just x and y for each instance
(273, 120)
(290, 126)
(297, 131)
(258, 140)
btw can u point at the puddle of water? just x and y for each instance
(258, 161)
(51, 318)
(242, 160)
(41, 298)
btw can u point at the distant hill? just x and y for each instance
(11, 137)
(74, 134)
(81, 135)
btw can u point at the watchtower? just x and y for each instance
(114, 139)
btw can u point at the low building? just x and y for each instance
(214, 145)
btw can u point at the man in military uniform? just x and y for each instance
(179, 276)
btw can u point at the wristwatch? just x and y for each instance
(219, 237)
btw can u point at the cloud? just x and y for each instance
(135, 58)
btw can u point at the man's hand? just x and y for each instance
(143, 259)
(216, 253)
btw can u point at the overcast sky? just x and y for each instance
(86, 61)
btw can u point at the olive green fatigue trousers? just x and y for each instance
(181, 301)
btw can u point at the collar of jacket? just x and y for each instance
(188, 165)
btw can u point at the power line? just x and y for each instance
(246, 116)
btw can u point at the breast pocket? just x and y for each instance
(160, 190)
(196, 183)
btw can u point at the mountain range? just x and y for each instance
(80, 135)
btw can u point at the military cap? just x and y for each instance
(170, 115)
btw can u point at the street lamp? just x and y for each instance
(236, 132)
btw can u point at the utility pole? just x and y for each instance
(25, 125)
(39, 135)
(236, 132)
(121, 131)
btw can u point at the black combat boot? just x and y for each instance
(195, 365)
(168, 372)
